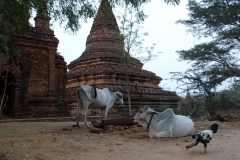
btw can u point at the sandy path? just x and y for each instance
(47, 141)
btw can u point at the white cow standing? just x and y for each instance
(164, 124)
(94, 98)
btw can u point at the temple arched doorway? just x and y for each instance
(7, 93)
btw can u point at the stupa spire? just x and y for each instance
(105, 33)
(105, 18)
(104, 40)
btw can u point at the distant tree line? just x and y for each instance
(201, 106)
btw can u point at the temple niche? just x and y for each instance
(37, 76)
(101, 65)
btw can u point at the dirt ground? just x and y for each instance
(61, 141)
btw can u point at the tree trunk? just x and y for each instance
(4, 96)
(122, 121)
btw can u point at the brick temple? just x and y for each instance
(37, 76)
(101, 64)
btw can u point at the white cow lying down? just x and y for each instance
(164, 124)
(94, 98)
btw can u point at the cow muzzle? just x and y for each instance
(135, 120)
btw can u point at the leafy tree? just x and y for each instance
(130, 27)
(229, 99)
(13, 20)
(14, 16)
(199, 83)
(217, 60)
(189, 108)
(205, 96)
(236, 89)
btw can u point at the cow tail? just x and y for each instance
(78, 94)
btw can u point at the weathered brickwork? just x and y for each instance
(39, 75)
(102, 64)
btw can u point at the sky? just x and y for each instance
(162, 29)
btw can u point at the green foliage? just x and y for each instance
(228, 99)
(217, 61)
(12, 21)
(236, 88)
(224, 100)
(215, 18)
(199, 83)
(14, 16)
(197, 107)
(174, 2)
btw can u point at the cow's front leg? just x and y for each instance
(84, 114)
(163, 134)
(105, 112)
